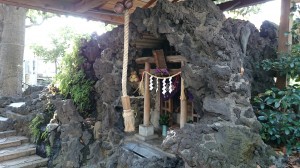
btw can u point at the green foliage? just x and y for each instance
(60, 43)
(245, 11)
(35, 128)
(48, 150)
(72, 82)
(39, 122)
(285, 65)
(164, 119)
(36, 17)
(277, 110)
(288, 63)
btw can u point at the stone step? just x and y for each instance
(12, 141)
(17, 152)
(144, 151)
(25, 162)
(8, 133)
(14, 116)
(5, 124)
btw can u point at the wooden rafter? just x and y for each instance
(235, 4)
(61, 7)
(169, 59)
(86, 5)
(151, 2)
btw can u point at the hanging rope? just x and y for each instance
(128, 114)
(141, 85)
(125, 56)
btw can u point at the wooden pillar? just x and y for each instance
(147, 96)
(183, 104)
(285, 38)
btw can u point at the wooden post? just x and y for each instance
(147, 96)
(285, 37)
(183, 104)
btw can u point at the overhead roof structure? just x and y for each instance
(103, 10)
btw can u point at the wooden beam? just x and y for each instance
(153, 71)
(235, 4)
(160, 59)
(170, 59)
(285, 38)
(183, 103)
(147, 96)
(151, 2)
(85, 5)
(62, 9)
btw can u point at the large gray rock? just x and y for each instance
(128, 158)
(6, 124)
(71, 133)
(66, 112)
(218, 145)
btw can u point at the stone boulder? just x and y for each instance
(218, 145)
(71, 134)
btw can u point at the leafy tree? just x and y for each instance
(37, 17)
(278, 109)
(241, 12)
(59, 45)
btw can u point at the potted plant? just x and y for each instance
(164, 122)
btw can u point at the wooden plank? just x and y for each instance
(176, 59)
(58, 8)
(160, 59)
(170, 59)
(146, 44)
(142, 60)
(151, 2)
(152, 71)
(235, 4)
(85, 5)
(285, 38)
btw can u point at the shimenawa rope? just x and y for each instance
(127, 113)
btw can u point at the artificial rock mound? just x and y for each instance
(216, 49)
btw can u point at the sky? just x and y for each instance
(40, 34)
(269, 11)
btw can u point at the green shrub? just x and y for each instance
(164, 119)
(38, 124)
(286, 65)
(72, 81)
(35, 128)
(277, 110)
